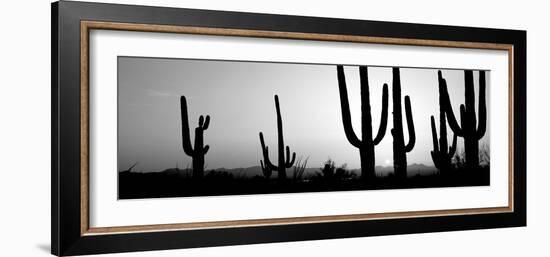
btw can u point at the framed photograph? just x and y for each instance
(177, 128)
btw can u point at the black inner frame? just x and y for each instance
(65, 212)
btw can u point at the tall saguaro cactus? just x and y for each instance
(198, 152)
(400, 150)
(283, 163)
(442, 156)
(468, 129)
(367, 143)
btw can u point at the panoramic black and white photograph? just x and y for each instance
(190, 127)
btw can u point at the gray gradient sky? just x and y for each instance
(238, 96)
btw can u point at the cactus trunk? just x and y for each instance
(367, 143)
(399, 148)
(367, 158)
(281, 143)
(468, 128)
(282, 163)
(199, 151)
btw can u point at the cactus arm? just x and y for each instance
(384, 116)
(346, 115)
(265, 152)
(434, 136)
(482, 109)
(292, 160)
(267, 161)
(206, 123)
(287, 154)
(289, 162)
(469, 100)
(205, 149)
(452, 149)
(266, 171)
(186, 138)
(201, 121)
(264, 168)
(447, 106)
(410, 125)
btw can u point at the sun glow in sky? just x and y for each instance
(238, 96)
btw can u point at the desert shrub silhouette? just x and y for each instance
(328, 169)
(329, 172)
(299, 169)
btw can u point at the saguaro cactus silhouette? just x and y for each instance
(468, 129)
(400, 150)
(198, 152)
(283, 163)
(367, 143)
(442, 156)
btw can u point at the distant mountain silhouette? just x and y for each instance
(381, 171)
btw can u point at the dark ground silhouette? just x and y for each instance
(180, 183)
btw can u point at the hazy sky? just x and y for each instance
(238, 96)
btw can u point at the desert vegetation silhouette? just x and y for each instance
(282, 164)
(468, 130)
(366, 144)
(450, 164)
(199, 151)
(400, 150)
(442, 154)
